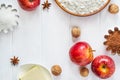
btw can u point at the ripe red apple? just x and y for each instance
(81, 53)
(103, 66)
(29, 4)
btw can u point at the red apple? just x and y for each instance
(81, 53)
(29, 4)
(103, 66)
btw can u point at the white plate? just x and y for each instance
(25, 68)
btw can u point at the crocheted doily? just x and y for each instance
(8, 18)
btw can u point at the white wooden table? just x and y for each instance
(44, 37)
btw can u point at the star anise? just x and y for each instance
(46, 4)
(14, 60)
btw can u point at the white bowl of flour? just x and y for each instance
(82, 7)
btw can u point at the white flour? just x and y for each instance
(83, 6)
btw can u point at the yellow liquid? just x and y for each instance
(36, 73)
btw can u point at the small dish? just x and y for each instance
(63, 7)
(27, 70)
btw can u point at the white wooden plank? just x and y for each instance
(6, 51)
(89, 31)
(27, 38)
(55, 38)
(109, 21)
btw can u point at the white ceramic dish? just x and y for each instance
(25, 68)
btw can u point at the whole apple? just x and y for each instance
(103, 66)
(29, 5)
(81, 53)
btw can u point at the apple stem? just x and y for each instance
(31, 0)
(93, 50)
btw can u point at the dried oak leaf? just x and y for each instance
(14, 60)
(113, 41)
(46, 4)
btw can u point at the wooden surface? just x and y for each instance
(44, 37)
